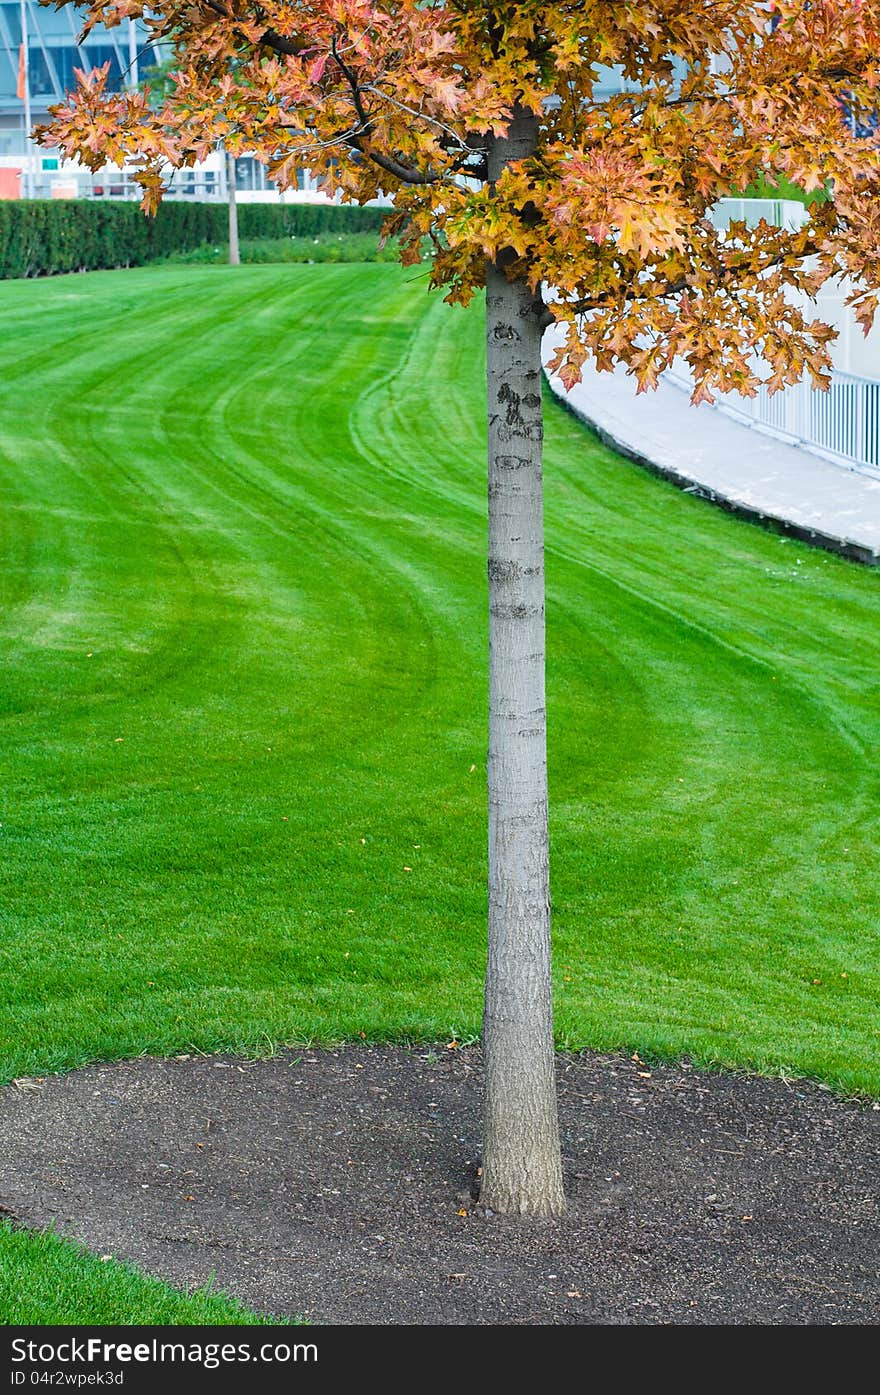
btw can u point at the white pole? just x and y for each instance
(28, 173)
(132, 55)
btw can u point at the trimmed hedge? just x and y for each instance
(39, 237)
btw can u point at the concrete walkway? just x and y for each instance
(746, 471)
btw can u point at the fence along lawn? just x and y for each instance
(242, 619)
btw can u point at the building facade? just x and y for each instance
(39, 50)
(53, 51)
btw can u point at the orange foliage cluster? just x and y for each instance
(401, 96)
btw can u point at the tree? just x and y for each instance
(487, 123)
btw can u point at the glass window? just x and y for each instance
(95, 55)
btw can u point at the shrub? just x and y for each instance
(39, 237)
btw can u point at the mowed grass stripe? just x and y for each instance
(255, 499)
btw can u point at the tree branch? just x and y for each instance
(405, 173)
(271, 38)
(291, 47)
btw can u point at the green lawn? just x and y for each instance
(242, 730)
(322, 247)
(46, 1280)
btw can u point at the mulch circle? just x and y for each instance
(338, 1185)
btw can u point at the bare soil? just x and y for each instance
(340, 1186)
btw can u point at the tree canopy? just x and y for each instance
(610, 207)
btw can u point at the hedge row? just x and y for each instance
(42, 236)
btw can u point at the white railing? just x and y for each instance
(842, 424)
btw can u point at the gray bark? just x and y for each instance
(234, 254)
(522, 1171)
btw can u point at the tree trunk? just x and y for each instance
(522, 1169)
(234, 255)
